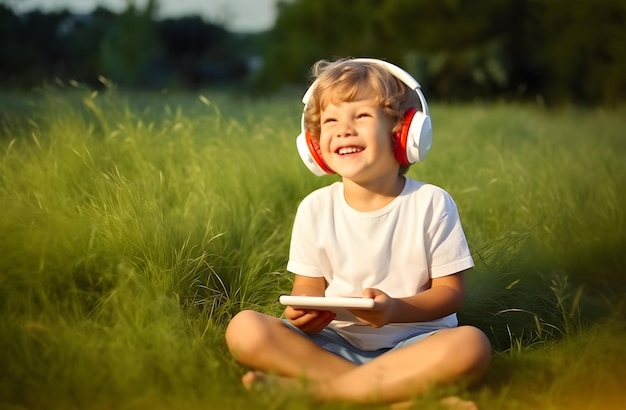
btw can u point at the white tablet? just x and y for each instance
(326, 303)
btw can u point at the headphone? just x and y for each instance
(411, 143)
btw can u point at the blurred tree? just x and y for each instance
(131, 49)
(306, 31)
(463, 50)
(449, 45)
(446, 44)
(581, 49)
(555, 50)
(31, 46)
(9, 24)
(87, 34)
(198, 53)
(130, 46)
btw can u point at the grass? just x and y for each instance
(133, 226)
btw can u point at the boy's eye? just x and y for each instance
(327, 120)
(363, 115)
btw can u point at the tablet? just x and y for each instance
(332, 304)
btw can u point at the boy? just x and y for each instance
(376, 234)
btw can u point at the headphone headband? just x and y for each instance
(394, 70)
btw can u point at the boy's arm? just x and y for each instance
(308, 286)
(444, 297)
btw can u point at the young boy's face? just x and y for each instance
(356, 140)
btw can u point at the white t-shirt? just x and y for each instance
(397, 249)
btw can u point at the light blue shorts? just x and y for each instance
(330, 340)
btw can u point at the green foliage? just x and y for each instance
(134, 226)
(582, 49)
(34, 37)
(132, 49)
(549, 51)
(454, 48)
(463, 50)
(130, 45)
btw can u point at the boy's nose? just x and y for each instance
(346, 130)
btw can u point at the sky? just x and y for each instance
(236, 15)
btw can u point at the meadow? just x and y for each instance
(134, 225)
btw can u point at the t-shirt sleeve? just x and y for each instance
(448, 249)
(303, 250)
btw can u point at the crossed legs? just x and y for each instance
(266, 344)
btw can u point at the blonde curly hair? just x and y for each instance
(346, 80)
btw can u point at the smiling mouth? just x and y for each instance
(349, 150)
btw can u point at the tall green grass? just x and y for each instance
(132, 227)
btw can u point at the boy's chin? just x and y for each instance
(349, 173)
(359, 178)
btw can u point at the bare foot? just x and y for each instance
(449, 403)
(257, 380)
(456, 403)
(253, 380)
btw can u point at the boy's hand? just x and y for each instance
(381, 314)
(307, 320)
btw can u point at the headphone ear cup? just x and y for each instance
(311, 155)
(316, 152)
(400, 138)
(413, 140)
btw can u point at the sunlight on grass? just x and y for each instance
(134, 226)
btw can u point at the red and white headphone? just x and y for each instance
(411, 143)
